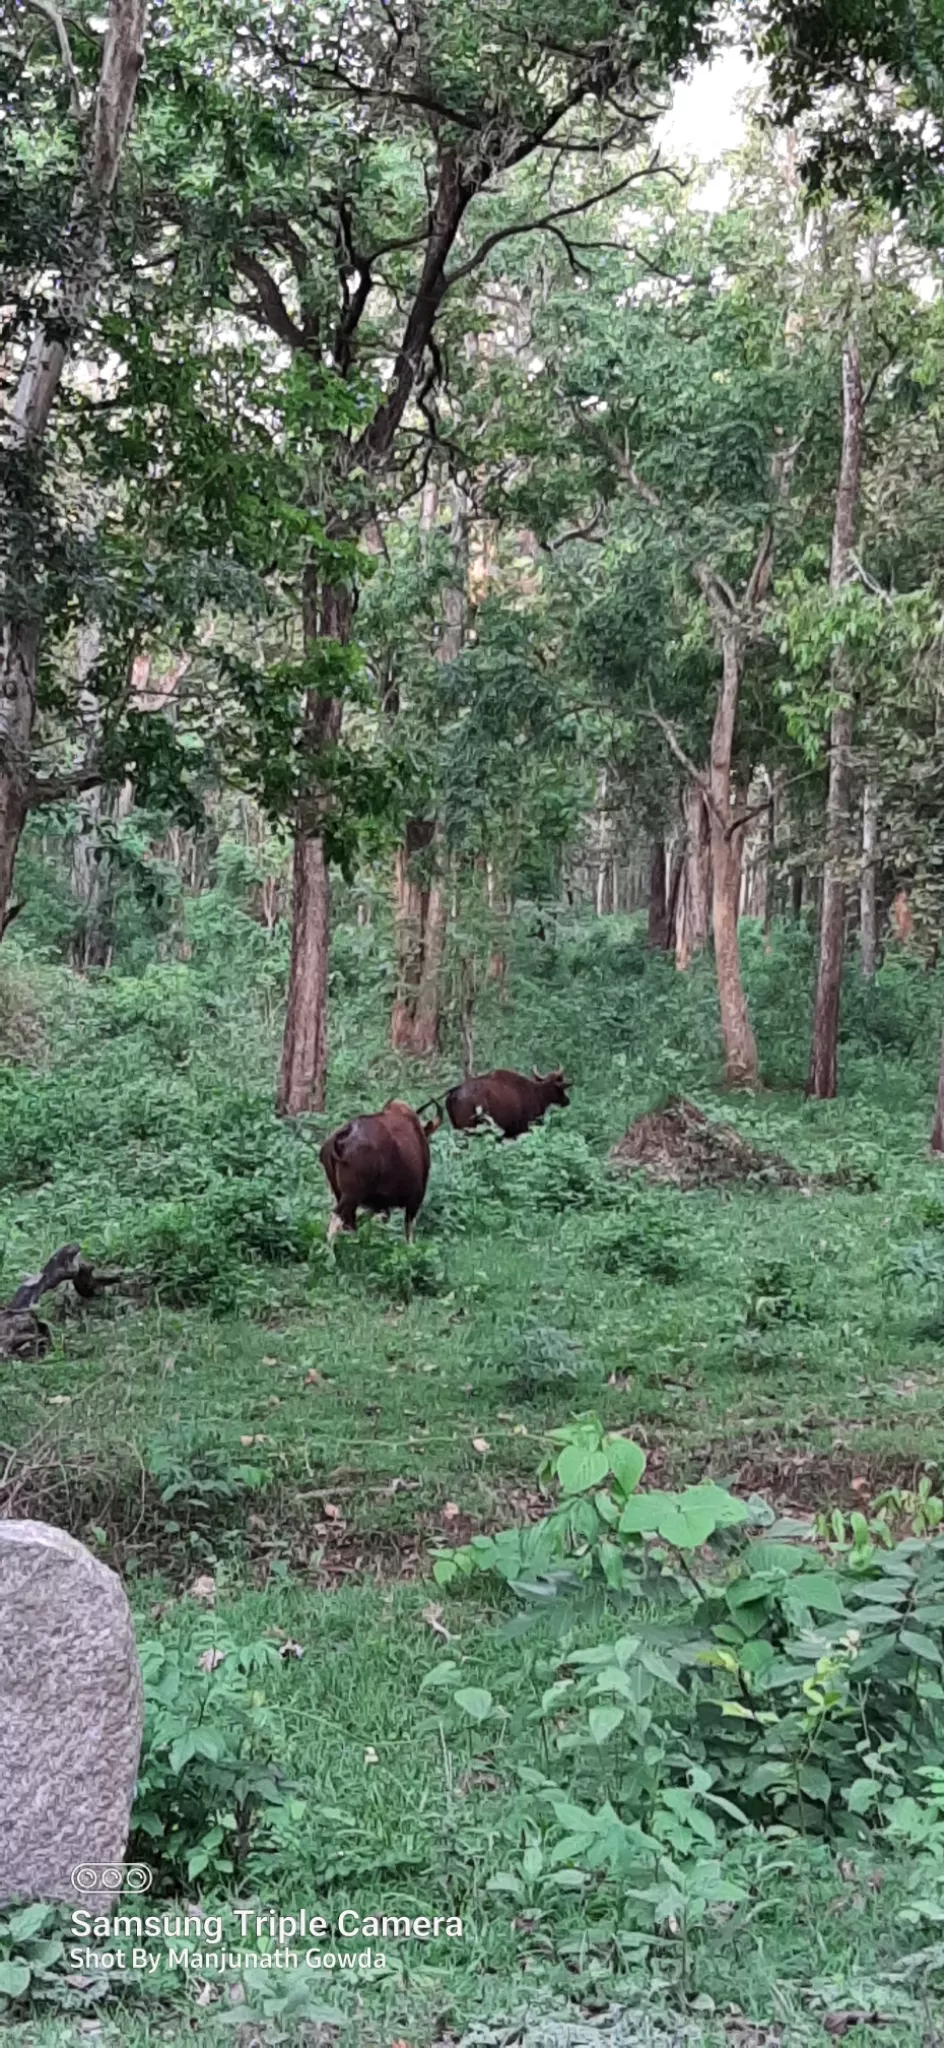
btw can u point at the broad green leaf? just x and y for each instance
(14, 1979)
(814, 1784)
(627, 1462)
(579, 1467)
(475, 1701)
(603, 1721)
(28, 1921)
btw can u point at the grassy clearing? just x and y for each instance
(304, 1431)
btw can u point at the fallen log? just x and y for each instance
(23, 1334)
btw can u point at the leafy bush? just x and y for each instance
(643, 1241)
(784, 1686)
(376, 1256)
(208, 1782)
(30, 1949)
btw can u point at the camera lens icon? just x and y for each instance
(112, 1877)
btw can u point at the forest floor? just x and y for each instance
(293, 1435)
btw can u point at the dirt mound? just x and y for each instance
(678, 1144)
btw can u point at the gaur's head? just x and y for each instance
(555, 1087)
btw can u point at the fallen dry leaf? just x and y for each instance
(333, 1513)
(203, 1588)
(432, 1615)
(450, 1511)
(314, 1378)
(371, 1757)
(290, 1649)
(59, 1401)
(206, 1995)
(210, 1660)
(481, 1444)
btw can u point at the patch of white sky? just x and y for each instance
(707, 120)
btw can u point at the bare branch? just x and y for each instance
(542, 222)
(53, 16)
(56, 789)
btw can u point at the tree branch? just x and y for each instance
(542, 222)
(53, 16)
(55, 789)
(271, 305)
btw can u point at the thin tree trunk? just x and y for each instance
(821, 1081)
(419, 904)
(796, 895)
(937, 1134)
(28, 419)
(695, 899)
(658, 908)
(740, 1049)
(868, 923)
(303, 1071)
(673, 894)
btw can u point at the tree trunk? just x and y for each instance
(822, 1074)
(695, 899)
(796, 895)
(868, 922)
(937, 1134)
(19, 661)
(657, 928)
(303, 1071)
(419, 920)
(673, 894)
(33, 400)
(740, 1049)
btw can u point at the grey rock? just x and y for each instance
(71, 1714)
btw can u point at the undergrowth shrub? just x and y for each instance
(747, 1675)
(209, 1785)
(647, 1238)
(375, 1256)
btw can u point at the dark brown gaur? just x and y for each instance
(379, 1163)
(510, 1101)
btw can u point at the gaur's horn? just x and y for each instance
(431, 1103)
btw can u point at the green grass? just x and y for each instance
(353, 1407)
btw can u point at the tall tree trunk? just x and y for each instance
(796, 895)
(821, 1081)
(673, 893)
(33, 400)
(657, 927)
(419, 902)
(695, 900)
(868, 922)
(740, 1049)
(304, 1066)
(937, 1133)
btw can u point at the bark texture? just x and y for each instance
(822, 1078)
(740, 1049)
(658, 922)
(694, 908)
(868, 919)
(29, 415)
(304, 1064)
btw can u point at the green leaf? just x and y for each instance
(603, 1721)
(475, 1701)
(821, 1591)
(920, 1646)
(14, 1979)
(814, 1784)
(579, 1468)
(28, 1921)
(441, 1674)
(627, 1462)
(861, 1795)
